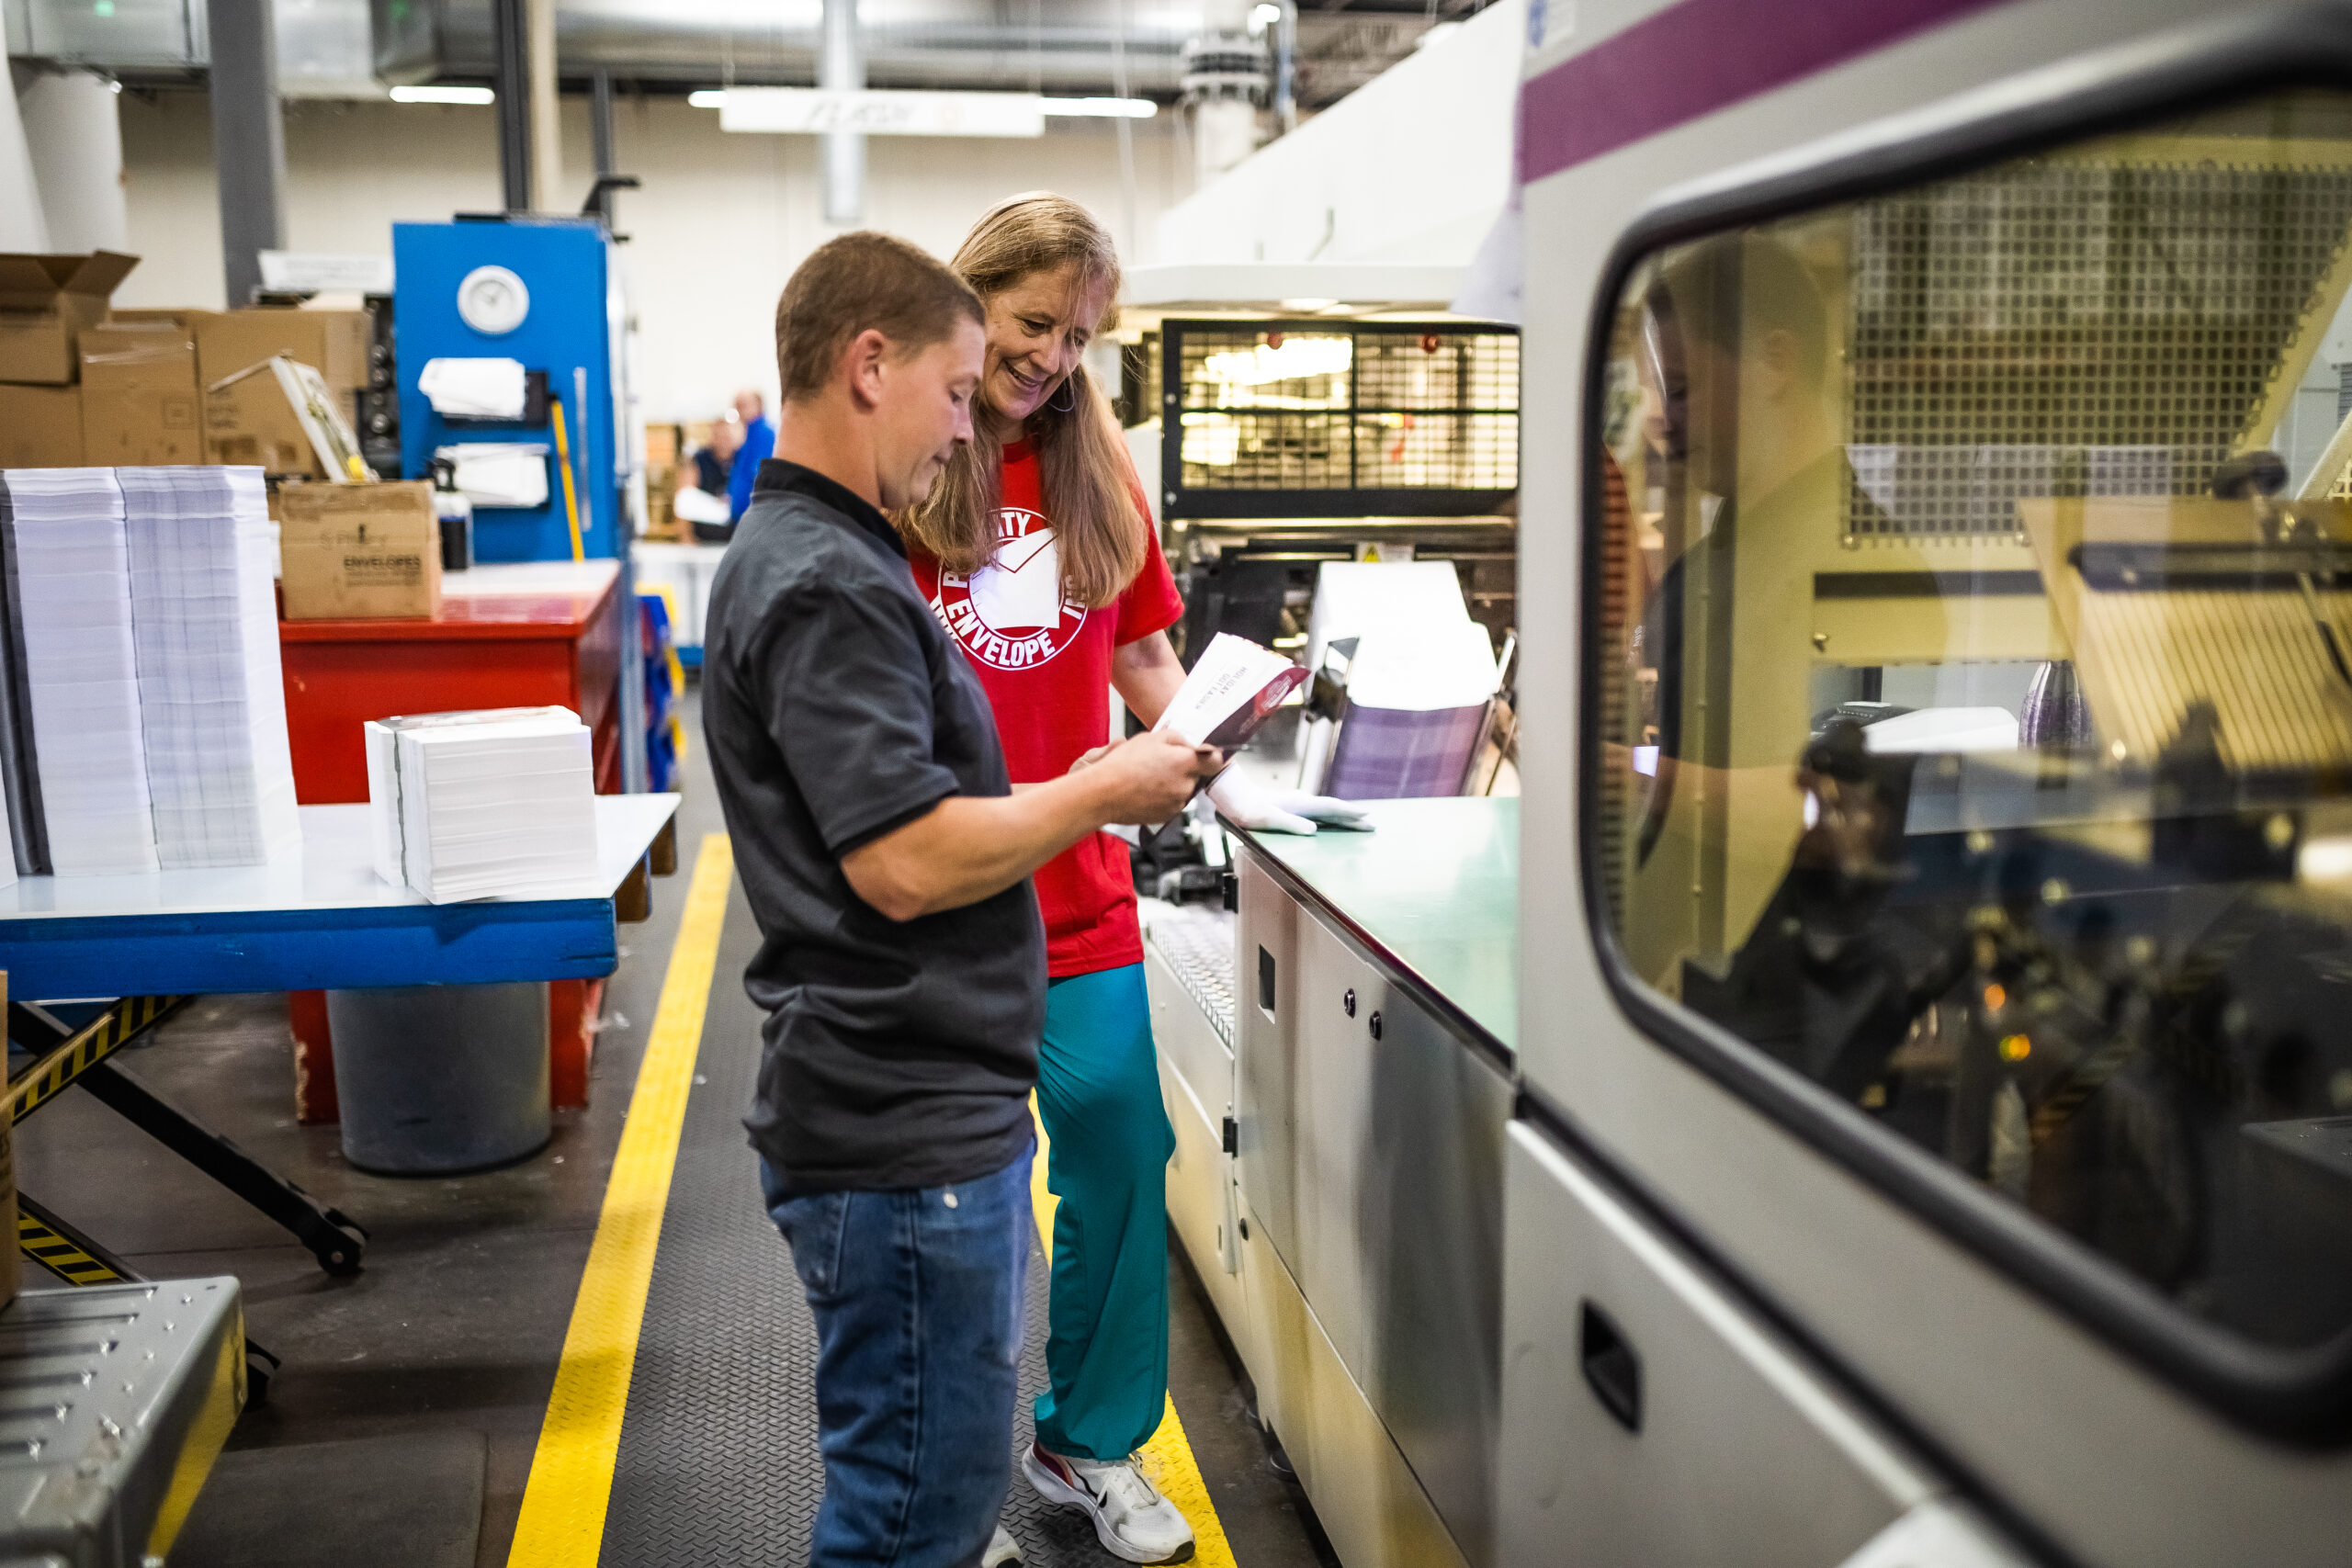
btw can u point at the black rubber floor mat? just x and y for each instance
(718, 1465)
(397, 1502)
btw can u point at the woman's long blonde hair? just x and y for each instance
(1082, 464)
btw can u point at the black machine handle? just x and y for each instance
(1612, 1369)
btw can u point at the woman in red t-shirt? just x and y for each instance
(1036, 550)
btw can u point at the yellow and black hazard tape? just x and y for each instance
(101, 1038)
(61, 1257)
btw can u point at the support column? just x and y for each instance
(75, 138)
(842, 69)
(248, 140)
(510, 50)
(547, 123)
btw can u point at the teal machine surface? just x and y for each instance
(543, 291)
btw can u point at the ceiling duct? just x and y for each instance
(1064, 46)
(351, 48)
(324, 47)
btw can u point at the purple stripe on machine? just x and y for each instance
(1695, 58)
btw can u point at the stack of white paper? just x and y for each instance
(72, 593)
(213, 699)
(495, 804)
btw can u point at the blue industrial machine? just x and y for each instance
(544, 291)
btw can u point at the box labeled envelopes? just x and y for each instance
(46, 303)
(359, 552)
(488, 804)
(139, 403)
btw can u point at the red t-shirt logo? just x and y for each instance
(1015, 612)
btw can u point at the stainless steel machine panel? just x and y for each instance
(1649, 1419)
(1370, 1504)
(1371, 1140)
(1265, 1098)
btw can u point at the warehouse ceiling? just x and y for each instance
(350, 48)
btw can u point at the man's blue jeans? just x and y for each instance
(917, 1294)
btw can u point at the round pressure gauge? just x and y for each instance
(492, 300)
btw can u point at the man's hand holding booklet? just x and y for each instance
(1230, 693)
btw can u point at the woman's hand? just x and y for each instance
(1087, 759)
(1249, 804)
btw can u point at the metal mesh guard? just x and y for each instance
(1347, 407)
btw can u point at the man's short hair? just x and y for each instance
(859, 282)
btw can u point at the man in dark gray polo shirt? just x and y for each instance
(887, 861)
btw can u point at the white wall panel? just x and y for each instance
(720, 224)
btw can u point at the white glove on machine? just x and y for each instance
(1268, 810)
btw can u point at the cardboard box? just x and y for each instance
(187, 320)
(360, 551)
(333, 342)
(46, 303)
(40, 427)
(139, 403)
(253, 418)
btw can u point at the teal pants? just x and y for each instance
(1098, 1092)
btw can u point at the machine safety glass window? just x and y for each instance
(1975, 699)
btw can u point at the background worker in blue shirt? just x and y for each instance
(759, 444)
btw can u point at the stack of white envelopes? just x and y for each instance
(211, 693)
(75, 671)
(497, 802)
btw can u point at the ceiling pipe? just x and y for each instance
(511, 40)
(547, 126)
(842, 69)
(248, 140)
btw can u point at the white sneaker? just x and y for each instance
(1002, 1549)
(1131, 1518)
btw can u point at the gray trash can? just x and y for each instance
(437, 1080)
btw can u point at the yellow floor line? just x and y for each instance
(1166, 1459)
(562, 1523)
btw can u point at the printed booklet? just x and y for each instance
(1233, 690)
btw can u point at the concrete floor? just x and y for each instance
(450, 1338)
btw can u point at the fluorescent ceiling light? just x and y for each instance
(1073, 109)
(1102, 108)
(444, 96)
(1308, 305)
